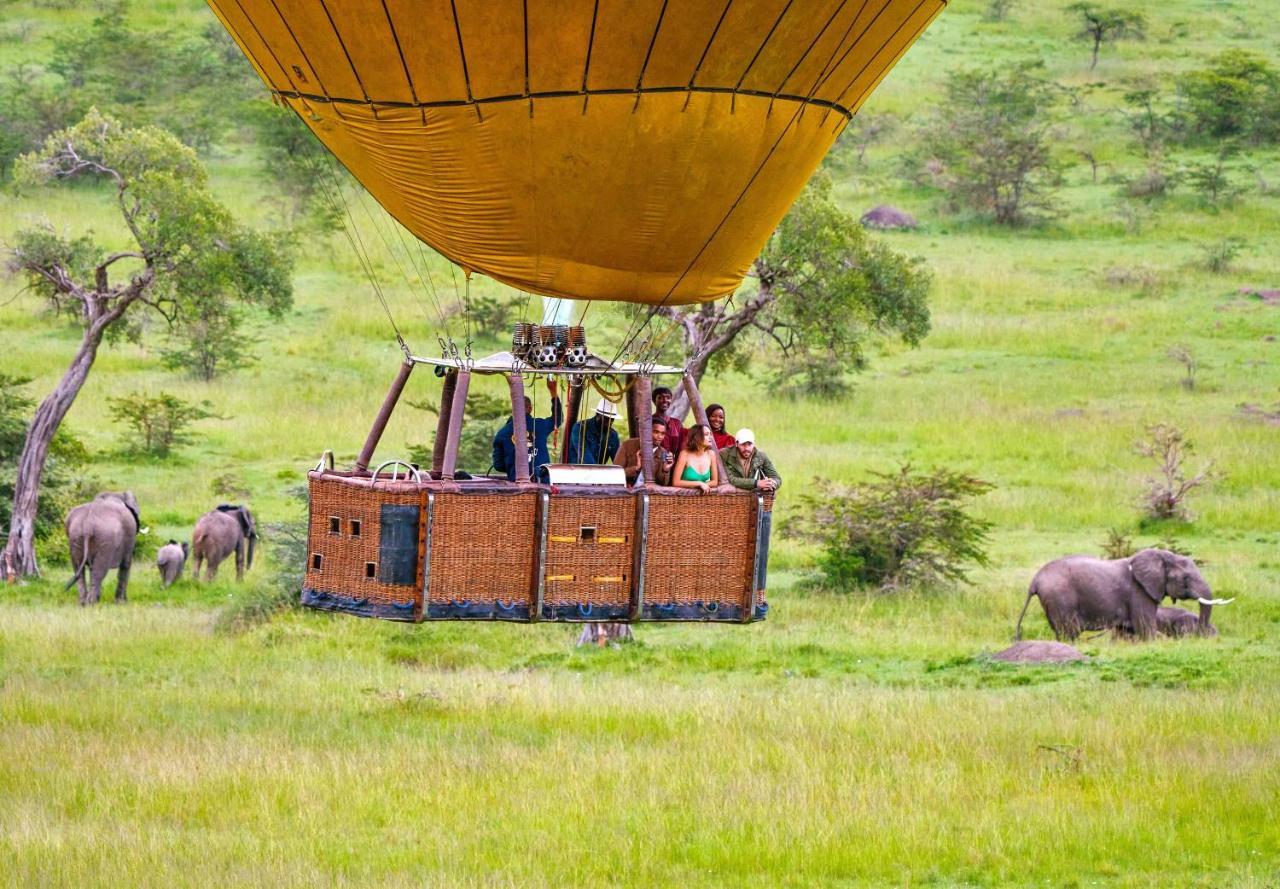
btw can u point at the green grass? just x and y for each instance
(848, 740)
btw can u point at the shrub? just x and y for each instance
(988, 146)
(159, 423)
(1238, 94)
(903, 528)
(1218, 256)
(1165, 493)
(1118, 545)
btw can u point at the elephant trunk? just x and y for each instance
(253, 538)
(1206, 609)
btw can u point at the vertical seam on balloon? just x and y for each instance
(905, 46)
(272, 52)
(832, 69)
(876, 54)
(706, 49)
(462, 55)
(805, 55)
(649, 54)
(319, 80)
(767, 37)
(525, 5)
(343, 44)
(591, 42)
(404, 64)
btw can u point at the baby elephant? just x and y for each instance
(170, 559)
(1180, 622)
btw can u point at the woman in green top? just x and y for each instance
(697, 466)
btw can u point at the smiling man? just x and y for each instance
(748, 467)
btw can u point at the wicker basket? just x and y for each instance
(493, 550)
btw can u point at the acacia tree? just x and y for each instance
(184, 248)
(1100, 25)
(988, 146)
(822, 287)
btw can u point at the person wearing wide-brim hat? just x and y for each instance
(594, 440)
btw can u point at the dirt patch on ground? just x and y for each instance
(1270, 296)
(1039, 652)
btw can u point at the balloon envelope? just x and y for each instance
(638, 150)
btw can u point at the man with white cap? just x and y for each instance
(748, 467)
(595, 441)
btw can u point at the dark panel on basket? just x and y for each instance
(398, 545)
(359, 606)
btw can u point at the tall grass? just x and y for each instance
(849, 740)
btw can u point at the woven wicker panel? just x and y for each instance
(344, 557)
(701, 549)
(483, 548)
(598, 572)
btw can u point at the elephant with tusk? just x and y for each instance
(1081, 593)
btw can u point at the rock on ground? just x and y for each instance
(888, 217)
(1039, 652)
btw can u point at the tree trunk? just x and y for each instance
(19, 558)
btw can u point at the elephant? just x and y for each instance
(1085, 593)
(1180, 622)
(101, 535)
(220, 532)
(170, 560)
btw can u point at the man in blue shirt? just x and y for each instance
(539, 429)
(595, 441)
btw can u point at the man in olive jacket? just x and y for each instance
(748, 467)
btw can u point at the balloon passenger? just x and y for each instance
(537, 429)
(748, 467)
(630, 457)
(673, 437)
(715, 417)
(595, 441)
(697, 466)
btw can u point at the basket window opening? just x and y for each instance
(355, 527)
(316, 560)
(335, 525)
(587, 534)
(370, 569)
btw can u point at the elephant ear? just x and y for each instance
(1150, 571)
(246, 521)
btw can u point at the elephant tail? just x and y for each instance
(79, 571)
(1017, 633)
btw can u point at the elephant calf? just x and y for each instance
(219, 533)
(170, 560)
(1084, 593)
(1180, 622)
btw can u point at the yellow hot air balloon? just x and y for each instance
(637, 150)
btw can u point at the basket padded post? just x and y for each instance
(456, 412)
(384, 414)
(519, 427)
(442, 424)
(643, 398)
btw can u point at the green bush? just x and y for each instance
(158, 423)
(903, 528)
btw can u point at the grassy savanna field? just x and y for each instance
(850, 739)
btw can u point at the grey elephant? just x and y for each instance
(219, 533)
(170, 560)
(1180, 622)
(1084, 593)
(101, 535)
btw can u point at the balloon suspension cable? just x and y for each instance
(332, 192)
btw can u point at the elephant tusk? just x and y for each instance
(1216, 601)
